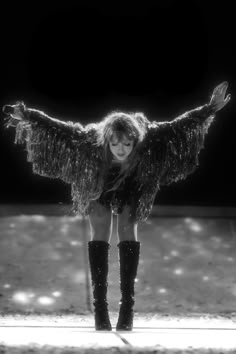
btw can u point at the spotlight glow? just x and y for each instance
(45, 300)
(195, 227)
(38, 218)
(75, 243)
(178, 271)
(7, 286)
(56, 293)
(174, 253)
(162, 291)
(188, 220)
(21, 297)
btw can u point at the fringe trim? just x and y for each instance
(59, 151)
(171, 153)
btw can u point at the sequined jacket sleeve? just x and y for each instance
(175, 145)
(59, 149)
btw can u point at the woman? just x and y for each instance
(114, 167)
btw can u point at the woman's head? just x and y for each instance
(120, 133)
(120, 146)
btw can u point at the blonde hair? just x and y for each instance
(131, 125)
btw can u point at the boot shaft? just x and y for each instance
(98, 253)
(129, 252)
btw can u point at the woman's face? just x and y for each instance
(121, 149)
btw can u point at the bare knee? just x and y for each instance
(100, 231)
(100, 237)
(128, 232)
(127, 227)
(101, 223)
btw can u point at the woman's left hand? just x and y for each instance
(218, 100)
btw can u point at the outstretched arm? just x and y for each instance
(58, 149)
(176, 144)
(53, 147)
(217, 102)
(19, 112)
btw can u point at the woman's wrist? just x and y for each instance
(210, 109)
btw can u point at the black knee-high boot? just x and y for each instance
(98, 259)
(129, 258)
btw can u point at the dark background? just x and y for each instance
(78, 60)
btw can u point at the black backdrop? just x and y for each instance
(78, 60)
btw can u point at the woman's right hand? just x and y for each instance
(16, 111)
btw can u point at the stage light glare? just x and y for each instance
(162, 291)
(195, 227)
(45, 300)
(76, 243)
(188, 220)
(7, 286)
(174, 253)
(56, 293)
(178, 271)
(21, 297)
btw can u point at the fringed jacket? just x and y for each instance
(68, 151)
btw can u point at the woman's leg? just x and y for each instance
(129, 250)
(127, 228)
(100, 221)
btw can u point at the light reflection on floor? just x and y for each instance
(186, 265)
(193, 225)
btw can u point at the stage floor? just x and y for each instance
(152, 334)
(185, 288)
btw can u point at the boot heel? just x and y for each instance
(126, 317)
(102, 321)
